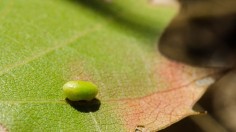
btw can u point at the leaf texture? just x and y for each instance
(44, 44)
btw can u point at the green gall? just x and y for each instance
(80, 90)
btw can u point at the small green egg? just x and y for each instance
(80, 90)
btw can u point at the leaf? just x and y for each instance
(45, 44)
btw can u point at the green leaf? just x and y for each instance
(46, 43)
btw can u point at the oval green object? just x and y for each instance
(80, 90)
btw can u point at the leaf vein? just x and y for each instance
(41, 54)
(95, 121)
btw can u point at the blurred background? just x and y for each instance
(203, 34)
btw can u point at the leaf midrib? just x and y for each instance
(62, 101)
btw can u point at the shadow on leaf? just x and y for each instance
(130, 20)
(85, 106)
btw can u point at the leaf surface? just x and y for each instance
(44, 44)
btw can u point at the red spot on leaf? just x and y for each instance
(162, 108)
(3, 128)
(159, 109)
